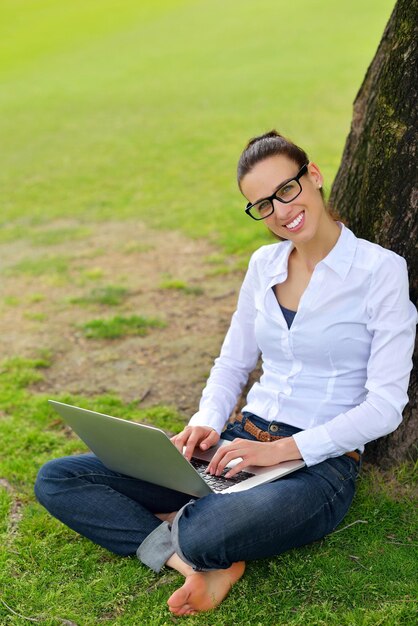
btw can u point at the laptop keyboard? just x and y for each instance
(218, 483)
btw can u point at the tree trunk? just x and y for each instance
(376, 189)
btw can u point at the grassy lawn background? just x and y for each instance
(139, 110)
(117, 109)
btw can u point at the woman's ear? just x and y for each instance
(315, 175)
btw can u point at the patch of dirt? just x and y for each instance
(15, 514)
(169, 365)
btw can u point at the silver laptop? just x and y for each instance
(147, 453)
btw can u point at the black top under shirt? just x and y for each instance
(288, 314)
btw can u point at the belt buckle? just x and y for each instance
(264, 436)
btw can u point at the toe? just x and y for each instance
(181, 610)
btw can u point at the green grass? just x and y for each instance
(36, 317)
(133, 247)
(11, 301)
(20, 372)
(180, 285)
(42, 237)
(36, 297)
(120, 326)
(13, 232)
(41, 266)
(112, 110)
(109, 295)
(364, 575)
(92, 274)
(55, 236)
(140, 109)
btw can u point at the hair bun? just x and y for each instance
(271, 134)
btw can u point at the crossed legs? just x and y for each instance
(209, 540)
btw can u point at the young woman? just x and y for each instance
(331, 317)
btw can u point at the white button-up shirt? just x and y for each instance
(341, 371)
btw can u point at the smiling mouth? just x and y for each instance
(296, 222)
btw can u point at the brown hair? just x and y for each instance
(267, 145)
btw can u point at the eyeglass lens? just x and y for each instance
(287, 193)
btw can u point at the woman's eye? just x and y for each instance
(284, 191)
(264, 206)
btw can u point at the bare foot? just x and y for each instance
(166, 517)
(203, 591)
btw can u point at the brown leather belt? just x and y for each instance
(262, 435)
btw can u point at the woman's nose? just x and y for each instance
(282, 210)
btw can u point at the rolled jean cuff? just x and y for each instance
(156, 548)
(176, 542)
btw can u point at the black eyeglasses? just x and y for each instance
(285, 193)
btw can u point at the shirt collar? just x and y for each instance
(339, 259)
(277, 264)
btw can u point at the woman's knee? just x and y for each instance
(201, 533)
(48, 480)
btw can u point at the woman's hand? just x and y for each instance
(253, 453)
(191, 436)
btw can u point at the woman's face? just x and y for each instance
(300, 219)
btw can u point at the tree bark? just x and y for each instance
(376, 191)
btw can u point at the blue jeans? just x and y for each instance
(117, 511)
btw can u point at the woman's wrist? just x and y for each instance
(287, 449)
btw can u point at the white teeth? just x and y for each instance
(296, 221)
